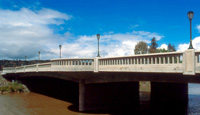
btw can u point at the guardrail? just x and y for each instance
(158, 62)
(71, 64)
(187, 62)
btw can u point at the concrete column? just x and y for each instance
(172, 59)
(196, 59)
(168, 60)
(96, 64)
(159, 60)
(82, 100)
(92, 62)
(134, 61)
(163, 60)
(156, 60)
(189, 62)
(148, 60)
(178, 61)
(151, 60)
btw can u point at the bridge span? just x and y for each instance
(113, 81)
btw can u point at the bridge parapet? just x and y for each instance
(187, 62)
(73, 64)
(157, 62)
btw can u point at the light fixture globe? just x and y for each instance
(190, 15)
(98, 36)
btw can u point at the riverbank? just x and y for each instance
(11, 87)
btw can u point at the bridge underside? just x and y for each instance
(115, 90)
(108, 77)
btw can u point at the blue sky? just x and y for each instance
(27, 27)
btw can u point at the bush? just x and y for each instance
(12, 87)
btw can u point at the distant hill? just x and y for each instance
(14, 63)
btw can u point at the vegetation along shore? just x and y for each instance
(11, 87)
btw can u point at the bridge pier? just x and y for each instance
(82, 95)
(108, 96)
(170, 96)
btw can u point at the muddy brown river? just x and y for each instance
(37, 104)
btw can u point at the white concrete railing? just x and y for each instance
(159, 62)
(28, 68)
(83, 64)
(73, 64)
(187, 62)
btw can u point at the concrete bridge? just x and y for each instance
(112, 81)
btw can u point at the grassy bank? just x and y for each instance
(11, 87)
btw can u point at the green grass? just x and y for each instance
(12, 87)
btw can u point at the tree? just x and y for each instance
(161, 50)
(171, 48)
(141, 48)
(153, 46)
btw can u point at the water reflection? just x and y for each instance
(194, 99)
(34, 104)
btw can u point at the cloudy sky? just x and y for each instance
(29, 26)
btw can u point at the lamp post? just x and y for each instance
(190, 16)
(60, 46)
(39, 55)
(98, 37)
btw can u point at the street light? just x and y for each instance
(39, 55)
(60, 46)
(98, 37)
(190, 16)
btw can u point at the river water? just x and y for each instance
(37, 104)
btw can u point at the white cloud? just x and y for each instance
(163, 46)
(110, 44)
(195, 43)
(198, 28)
(25, 32)
(133, 26)
(26, 17)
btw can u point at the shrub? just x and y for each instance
(12, 87)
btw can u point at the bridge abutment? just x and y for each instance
(108, 96)
(170, 96)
